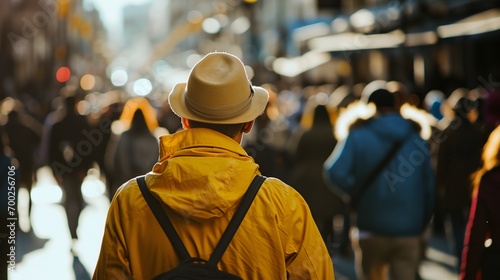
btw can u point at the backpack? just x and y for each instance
(192, 268)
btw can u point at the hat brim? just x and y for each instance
(256, 108)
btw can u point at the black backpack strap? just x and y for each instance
(163, 219)
(236, 220)
(228, 234)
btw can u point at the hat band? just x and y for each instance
(218, 113)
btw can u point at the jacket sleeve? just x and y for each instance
(338, 168)
(475, 236)
(113, 262)
(306, 254)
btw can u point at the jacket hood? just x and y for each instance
(391, 126)
(201, 173)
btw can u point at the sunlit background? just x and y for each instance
(110, 50)
(47, 254)
(146, 46)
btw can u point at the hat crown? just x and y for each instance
(218, 91)
(218, 87)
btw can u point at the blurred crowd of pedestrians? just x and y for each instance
(323, 141)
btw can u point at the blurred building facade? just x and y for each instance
(39, 37)
(425, 44)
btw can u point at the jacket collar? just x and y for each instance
(173, 144)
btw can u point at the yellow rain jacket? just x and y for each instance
(201, 176)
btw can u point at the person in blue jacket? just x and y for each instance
(395, 209)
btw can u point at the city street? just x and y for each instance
(393, 105)
(45, 253)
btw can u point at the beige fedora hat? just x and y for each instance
(218, 91)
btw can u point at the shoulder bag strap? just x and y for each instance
(375, 172)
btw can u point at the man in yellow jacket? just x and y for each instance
(200, 178)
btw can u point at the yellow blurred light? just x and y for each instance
(419, 116)
(87, 82)
(85, 29)
(83, 107)
(354, 111)
(129, 109)
(344, 68)
(483, 22)
(421, 39)
(63, 8)
(75, 21)
(8, 105)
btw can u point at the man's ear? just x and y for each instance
(247, 127)
(185, 124)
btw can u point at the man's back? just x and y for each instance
(399, 201)
(396, 204)
(459, 156)
(202, 176)
(68, 144)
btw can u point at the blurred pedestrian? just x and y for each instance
(432, 104)
(314, 146)
(133, 146)
(490, 110)
(481, 253)
(201, 177)
(168, 119)
(103, 138)
(23, 138)
(459, 156)
(70, 159)
(396, 205)
(267, 142)
(55, 115)
(136, 151)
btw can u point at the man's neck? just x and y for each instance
(385, 110)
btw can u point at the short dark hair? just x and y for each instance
(230, 130)
(382, 98)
